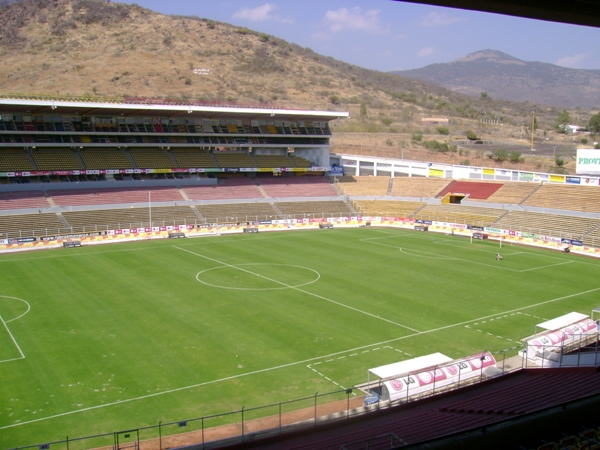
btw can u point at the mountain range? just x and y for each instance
(504, 77)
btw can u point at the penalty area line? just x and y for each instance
(14, 342)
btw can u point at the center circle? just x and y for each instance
(254, 276)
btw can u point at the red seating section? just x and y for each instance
(226, 189)
(114, 196)
(23, 200)
(492, 402)
(480, 191)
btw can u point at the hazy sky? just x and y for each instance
(386, 35)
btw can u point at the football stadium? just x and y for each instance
(262, 292)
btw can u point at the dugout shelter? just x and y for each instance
(555, 338)
(426, 374)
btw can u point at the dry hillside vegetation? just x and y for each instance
(101, 49)
(95, 48)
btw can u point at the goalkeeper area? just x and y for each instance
(118, 337)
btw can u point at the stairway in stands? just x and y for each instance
(183, 193)
(348, 203)
(530, 194)
(390, 186)
(260, 188)
(49, 198)
(274, 206)
(197, 213)
(63, 220)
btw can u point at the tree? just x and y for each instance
(563, 119)
(594, 125)
(560, 160)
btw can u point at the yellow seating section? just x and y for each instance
(387, 208)
(363, 185)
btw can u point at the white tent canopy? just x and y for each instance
(562, 321)
(409, 366)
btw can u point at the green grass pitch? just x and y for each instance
(105, 338)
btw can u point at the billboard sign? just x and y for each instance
(588, 162)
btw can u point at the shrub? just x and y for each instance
(515, 157)
(470, 135)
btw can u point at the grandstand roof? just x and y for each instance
(154, 108)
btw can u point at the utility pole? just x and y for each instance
(532, 128)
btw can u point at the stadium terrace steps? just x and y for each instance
(315, 209)
(27, 225)
(15, 159)
(105, 158)
(227, 189)
(305, 186)
(23, 200)
(488, 404)
(193, 157)
(237, 212)
(475, 189)
(469, 215)
(106, 219)
(152, 158)
(363, 186)
(387, 208)
(571, 227)
(512, 192)
(418, 187)
(114, 196)
(565, 197)
(526, 395)
(234, 160)
(56, 159)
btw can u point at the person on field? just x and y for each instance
(498, 257)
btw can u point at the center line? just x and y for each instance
(298, 289)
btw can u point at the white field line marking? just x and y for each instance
(296, 289)
(544, 267)
(21, 300)
(451, 244)
(304, 362)
(14, 342)
(222, 240)
(495, 266)
(311, 366)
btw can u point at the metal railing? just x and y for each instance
(247, 424)
(197, 223)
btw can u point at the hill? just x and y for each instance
(97, 48)
(505, 77)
